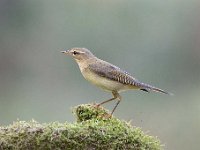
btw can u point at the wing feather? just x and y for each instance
(112, 72)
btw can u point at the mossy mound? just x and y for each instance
(92, 130)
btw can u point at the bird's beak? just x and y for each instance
(65, 52)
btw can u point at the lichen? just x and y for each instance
(92, 130)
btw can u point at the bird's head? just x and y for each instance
(79, 53)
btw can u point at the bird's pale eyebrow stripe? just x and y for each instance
(81, 52)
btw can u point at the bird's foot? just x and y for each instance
(107, 116)
(97, 105)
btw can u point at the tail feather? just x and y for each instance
(147, 88)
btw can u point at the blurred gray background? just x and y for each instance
(157, 41)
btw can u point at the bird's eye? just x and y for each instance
(75, 53)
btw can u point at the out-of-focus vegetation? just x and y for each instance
(157, 41)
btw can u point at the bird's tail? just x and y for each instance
(146, 87)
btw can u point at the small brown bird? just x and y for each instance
(107, 76)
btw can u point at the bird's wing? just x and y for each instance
(113, 73)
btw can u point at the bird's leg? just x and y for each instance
(116, 94)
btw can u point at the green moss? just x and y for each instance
(92, 130)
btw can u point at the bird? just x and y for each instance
(107, 76)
